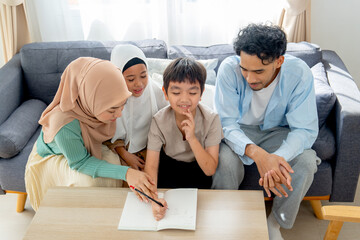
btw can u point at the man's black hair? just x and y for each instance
(266, 42)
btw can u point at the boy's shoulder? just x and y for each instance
(165, 112)
(208, 113)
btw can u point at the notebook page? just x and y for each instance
(137, 215)
(182, 204)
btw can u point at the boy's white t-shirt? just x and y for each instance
(259, 101)
(134, 124)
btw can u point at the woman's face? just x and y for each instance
(112, 113)
(136, 78)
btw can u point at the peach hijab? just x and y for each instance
(88, 87)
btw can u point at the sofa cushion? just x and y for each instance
(158, 66)
(43, 63)
(325, 96)
(324, 145)
(308, 52)
(16, 131)
(220, 51)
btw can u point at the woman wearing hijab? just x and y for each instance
(82, 115)
(147, 98)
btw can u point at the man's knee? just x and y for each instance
(307, 161)
(229, 161)
(230, 171)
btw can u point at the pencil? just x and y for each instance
(159, 203)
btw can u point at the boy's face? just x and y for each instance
(257, 74)
(136, 78)
(183, 96)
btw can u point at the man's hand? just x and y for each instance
(277, 169)
(270, 185)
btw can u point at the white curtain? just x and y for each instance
(191, 22)
(14, 32)
(295, 20)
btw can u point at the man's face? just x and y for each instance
(257, 74)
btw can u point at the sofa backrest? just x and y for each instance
(308, 52)
(43, 63)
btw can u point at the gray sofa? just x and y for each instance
(30, 79)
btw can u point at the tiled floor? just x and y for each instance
(13, 225)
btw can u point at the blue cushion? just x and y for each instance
(324, 145)
(16, 131)
(325, 96)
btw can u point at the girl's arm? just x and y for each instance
(131, 159)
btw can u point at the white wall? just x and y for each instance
(335, 25)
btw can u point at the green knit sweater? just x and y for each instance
(69, 142)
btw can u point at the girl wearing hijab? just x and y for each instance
(147, 98)
(69, 151)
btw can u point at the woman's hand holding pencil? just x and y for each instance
(143, 182)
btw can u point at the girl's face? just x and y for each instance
(112, 113)
(136, 79)
(183, 96)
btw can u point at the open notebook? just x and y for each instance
(182, 204)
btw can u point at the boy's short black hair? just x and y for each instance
(184, 69)
(267, 42)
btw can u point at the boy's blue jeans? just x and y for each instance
(230, 171)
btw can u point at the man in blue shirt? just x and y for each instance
(266, 103)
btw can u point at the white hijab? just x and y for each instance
(134, 124)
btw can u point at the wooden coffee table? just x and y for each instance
(94, 213)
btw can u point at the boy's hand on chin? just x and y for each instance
(188, 126)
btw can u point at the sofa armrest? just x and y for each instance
(11, 87)
(347, 122)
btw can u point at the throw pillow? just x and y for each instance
(325, 96)
(157, 65)
(16, 131)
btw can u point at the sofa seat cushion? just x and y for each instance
(16, 131)
(43, 63)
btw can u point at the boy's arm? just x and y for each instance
(151, 168)
(207, 159)
(152, 164)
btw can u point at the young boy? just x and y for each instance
(184, 138)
